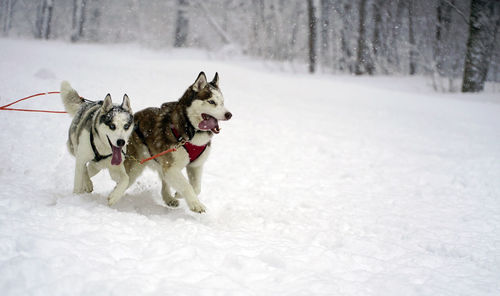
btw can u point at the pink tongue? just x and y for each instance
(116, 159)
(208, 124)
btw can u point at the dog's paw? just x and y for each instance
(78, 190)
(113, 198)
(197, 207)
(170, 202)
(88, 186)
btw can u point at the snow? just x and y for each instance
(318, 185)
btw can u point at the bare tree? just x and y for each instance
(377, 27)
(311, 12)
(482, 31)
(326, 30)
(442, 29)
(364, 63)
(346, 56)
(78, 19)
(411, 38)
(44, 19)
(181, 24)
(7, 12)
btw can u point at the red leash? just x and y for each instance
(31, 110)
(157, 155)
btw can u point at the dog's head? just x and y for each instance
(115, 124)
(205, 104)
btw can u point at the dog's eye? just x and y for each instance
(112, 127)
(126, 126)
(211, 102)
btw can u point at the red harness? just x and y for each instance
(193, 150)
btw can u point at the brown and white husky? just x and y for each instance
(193, 119)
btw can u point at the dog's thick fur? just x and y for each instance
(97, 135)
(195, 118)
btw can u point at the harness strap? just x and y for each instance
(97, 156)
(141, 136)
(193, 151)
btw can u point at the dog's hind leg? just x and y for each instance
(166, 195)
(133, 171)
(119, 175)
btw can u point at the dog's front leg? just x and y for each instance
(119, 175)
(194, 175)
(82, 181)
(174, 177)
(92, 169)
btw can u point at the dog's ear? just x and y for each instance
(107, 104)
(200, 82)
(126, 103)
(215, 81)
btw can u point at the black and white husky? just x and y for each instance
(97, 138)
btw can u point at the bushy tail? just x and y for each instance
(71, 99)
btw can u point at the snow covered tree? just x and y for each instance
(482, 24)
(357, 37)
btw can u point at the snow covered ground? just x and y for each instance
(319, 185)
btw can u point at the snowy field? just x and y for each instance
(318, 185)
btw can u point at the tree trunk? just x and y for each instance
(7, 15)
(182, 23)
(295, 30)
(326, 10)
(39, 19)
(48, 19)
(479, 44)
(311, 11)
(44, 19)
(411, 39)
(393, 50)
(78, 19)
(377, 15)
(364, 63)
(345, 61)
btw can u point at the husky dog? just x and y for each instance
(191, 122)
(97, 138)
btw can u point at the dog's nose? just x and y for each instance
(120, 142)
(228, 115)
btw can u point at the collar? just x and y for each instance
(97, 156)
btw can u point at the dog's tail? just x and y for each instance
(71, 99)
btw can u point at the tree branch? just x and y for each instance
(466, 20)
(213, 22)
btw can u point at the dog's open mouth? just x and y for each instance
(116, 156)
(209, 123)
